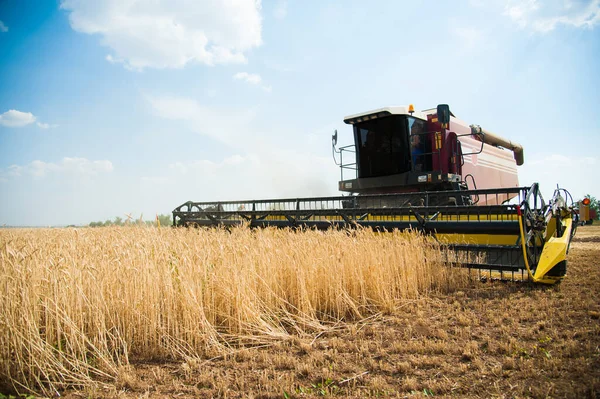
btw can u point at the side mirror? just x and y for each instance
(334, 138)
(443, 114)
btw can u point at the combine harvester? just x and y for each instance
(587, 215)
(431, 172)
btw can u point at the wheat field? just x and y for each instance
(78, 304)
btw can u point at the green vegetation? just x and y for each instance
(165, 220)
(21, 396)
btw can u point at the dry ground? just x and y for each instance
(491, 340)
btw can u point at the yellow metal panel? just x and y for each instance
(550, 229)
(481, 239)
(554, 252)
(438, 140)
(411, 218)
(448, 218)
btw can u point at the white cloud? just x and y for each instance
(211, 167)
(14, 118)
(170, 34)
(224, 125)
(258, 163)
(251, 78)
(280, 11)
(3, 28)
(46, 125)
(78, 167)
(547, 15)
(276, 172)
(521, 11)
(10, 172)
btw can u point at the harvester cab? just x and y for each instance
(430, 172)
(398, 150)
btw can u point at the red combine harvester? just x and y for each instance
(587, 215)
(431, 172)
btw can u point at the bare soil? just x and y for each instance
(492, 340)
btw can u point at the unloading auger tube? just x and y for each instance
(494, 139)
(523, 238)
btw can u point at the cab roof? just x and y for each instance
(381, 112)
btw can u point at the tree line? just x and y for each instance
(164, 220)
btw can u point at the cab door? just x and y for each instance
(455, 155)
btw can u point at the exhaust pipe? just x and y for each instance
(492, 139)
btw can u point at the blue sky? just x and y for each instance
(111, 107)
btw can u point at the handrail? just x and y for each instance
(351, 149)
(480, 191)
